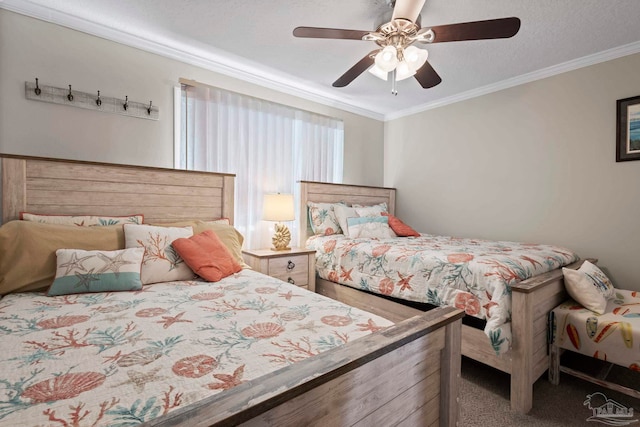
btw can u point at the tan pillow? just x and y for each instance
(231, 237)
(28, 250)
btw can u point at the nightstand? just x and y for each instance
(296, 266)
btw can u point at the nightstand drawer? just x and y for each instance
(293, 269)
(296, 266)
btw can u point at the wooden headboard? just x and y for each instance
(65, 187)
(323, 192)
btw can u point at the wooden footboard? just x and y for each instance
(528, 358)
(532, 300)
(356, 384)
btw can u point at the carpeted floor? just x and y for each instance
(484, 397)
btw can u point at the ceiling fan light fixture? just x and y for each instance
(404, 71)
(415, 57)
(387, 59)
(379, 72)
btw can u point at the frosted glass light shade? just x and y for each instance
(378, 72)
(387, 59)
(278, 207)
(415, 57)
(404, 71)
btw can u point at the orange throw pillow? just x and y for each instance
(207, 256)
(399, 227)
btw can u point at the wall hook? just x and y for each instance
(66, 94)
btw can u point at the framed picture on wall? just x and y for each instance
(628, 132)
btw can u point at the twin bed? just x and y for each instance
(510, 287)
(249, 349)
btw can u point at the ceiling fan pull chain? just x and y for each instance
(394, 88)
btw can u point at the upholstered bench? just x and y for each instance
(604, 326)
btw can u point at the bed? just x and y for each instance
(531, 299)
(161, 337)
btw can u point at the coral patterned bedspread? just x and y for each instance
(123, 358)
(471, 274)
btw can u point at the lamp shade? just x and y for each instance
(278, 207)
(378, 72)
(404, 71)
(387, 58)
(415, 57)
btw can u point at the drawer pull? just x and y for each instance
(290, 280)
(291, 265)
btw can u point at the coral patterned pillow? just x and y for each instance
(161, 262)
(82, 220)
(207, 256)
(322, 219)
(400, 228)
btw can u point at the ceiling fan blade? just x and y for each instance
(407, 9)
(478, 30)
(427, 76)
(353, 72)
(329, 33)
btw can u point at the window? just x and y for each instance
(268, 146)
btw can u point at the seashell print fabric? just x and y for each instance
(613, 336)
(123, 358)
(471, 274)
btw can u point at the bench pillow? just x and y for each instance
(80, 271)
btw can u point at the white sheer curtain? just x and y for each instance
(267, 145)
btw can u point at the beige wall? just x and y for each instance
(58, 56)
(531, 163)
(535, 162)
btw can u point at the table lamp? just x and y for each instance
(279, 207)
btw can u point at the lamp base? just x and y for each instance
(281, 238)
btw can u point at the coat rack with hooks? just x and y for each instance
(91, 101)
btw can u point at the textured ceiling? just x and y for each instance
(252, 39)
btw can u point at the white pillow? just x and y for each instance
(369, 211)
(589, 286)
(373, 210)
(161, 263)
(343, 212)
(369, 227)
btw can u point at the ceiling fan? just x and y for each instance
(397, 58)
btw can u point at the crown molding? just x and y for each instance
(239, 68)
(216, 61)
(585, 61)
